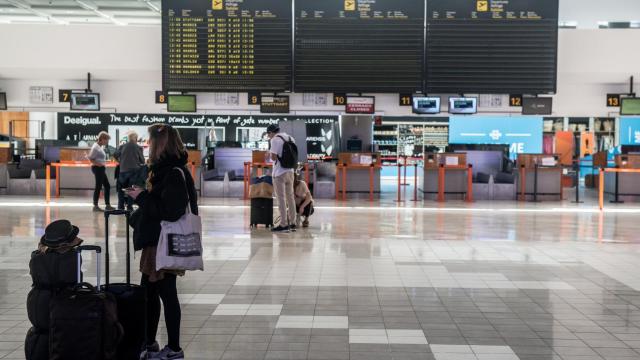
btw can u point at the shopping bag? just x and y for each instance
(180, 243)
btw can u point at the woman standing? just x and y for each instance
(170, 189)
(98, 159)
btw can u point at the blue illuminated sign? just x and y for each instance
(630, 131)
(522, 133)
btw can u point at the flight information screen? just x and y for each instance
(226, 45)
(492, 46)
(359, 45)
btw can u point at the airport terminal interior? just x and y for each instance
(466, 177)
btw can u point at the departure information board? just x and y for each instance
(492, 46)
(359, 46)
(226, 45)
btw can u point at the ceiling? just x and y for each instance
(112, 12)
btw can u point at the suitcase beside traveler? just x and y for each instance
(84, 321)
(131, 299)
(261, 212)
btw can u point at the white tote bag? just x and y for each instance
(180, 245)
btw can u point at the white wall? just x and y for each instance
(125, 63)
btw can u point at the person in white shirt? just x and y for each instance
(282, 180)
(98, 159)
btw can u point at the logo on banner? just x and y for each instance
(637, 135)
(495, 135)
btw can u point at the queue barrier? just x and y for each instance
(78, 164)
(601, 181)
(442, 169)
(341, 179)
(523, 182)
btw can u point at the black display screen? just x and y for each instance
(359, 46)
(226, 45)
(492, 46)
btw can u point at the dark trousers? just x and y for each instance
(125, 180)
(166, 290)
(100, 174)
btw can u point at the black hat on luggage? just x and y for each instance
(59, 233)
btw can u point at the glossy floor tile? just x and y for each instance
(481, 281)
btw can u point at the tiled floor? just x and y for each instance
(487, 281)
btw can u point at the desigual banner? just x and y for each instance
(630, 131)
(322, 131)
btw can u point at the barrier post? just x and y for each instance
(246, 182)
(415, 182)
(406, 165)
(399, 181)
(344, 182)
(58, 180)
(601, 188)
(578, 183)
(535, 183)
(371, 183)
(470, 183)
(523, 183)
(337, 182)
(441, 179)
(47, 184)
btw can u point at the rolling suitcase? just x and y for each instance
(84, 321)
(261, 212)
(131, 299)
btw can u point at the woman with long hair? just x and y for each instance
(170, 189)
(98, 159)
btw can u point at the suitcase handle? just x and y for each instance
(127, 215)
(92, 248)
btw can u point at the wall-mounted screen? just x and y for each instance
(492, 47)
(85, 102)
(426, 105)
(181, 103)
(226, 45)
(3, 101)
(537, 106)
(373, 46)
(630, 106)
(463, 105)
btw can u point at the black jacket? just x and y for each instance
(167, 200)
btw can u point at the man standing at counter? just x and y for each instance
(131, 160)
(284, 154)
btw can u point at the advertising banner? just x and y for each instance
(322, 137)
(522, 133)
(630, 131)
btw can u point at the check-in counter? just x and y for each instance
(456, 174)
(539, 177)
(362, 171)
(625, 184)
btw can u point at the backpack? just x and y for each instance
(289, 158)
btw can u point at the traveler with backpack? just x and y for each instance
(170, 189)
(284, 154)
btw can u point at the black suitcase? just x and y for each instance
(131, 299)
(261, 212)
(36, 345)
(84, 321)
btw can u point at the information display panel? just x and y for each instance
(374, 46)
(492, 46)
(226, 45)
